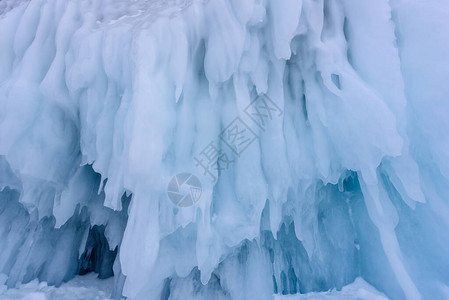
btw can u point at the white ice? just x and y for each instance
(102, 102)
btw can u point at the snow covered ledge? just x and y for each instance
(90, 287)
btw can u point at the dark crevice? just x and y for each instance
(97, 257)
(336, 80)
(346, 29)
(165, 294)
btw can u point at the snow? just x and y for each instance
(359, 289)
(342, 174)
(87, 287)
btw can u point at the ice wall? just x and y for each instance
(102, 102)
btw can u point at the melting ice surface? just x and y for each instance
(102, 102)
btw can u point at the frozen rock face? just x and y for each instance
(317, 129)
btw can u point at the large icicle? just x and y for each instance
(102, 102)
